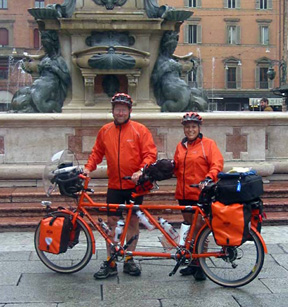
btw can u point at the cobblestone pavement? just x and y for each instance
(25, 281)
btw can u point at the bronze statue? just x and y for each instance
(48, 92)
(172, 93)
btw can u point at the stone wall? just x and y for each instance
(253, 139)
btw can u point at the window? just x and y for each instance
(232, 73)
(193, 3)
(263, 78)
(233, 35)
(39, 3)
(4, 37)
(264, 35)
(231, 77)
(36, 39)
(3, 68)
(193, 34)
(3, 4)
(232, 4)
(263, 4)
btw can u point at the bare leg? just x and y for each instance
(133, 229)
(112, 222)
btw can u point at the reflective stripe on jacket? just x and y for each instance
(193, 163)
(127, 148)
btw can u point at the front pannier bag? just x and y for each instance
(238, 187)
(54, 234)
(230, 223)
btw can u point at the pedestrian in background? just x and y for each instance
(264, 105)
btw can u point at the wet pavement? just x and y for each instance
(25, 281)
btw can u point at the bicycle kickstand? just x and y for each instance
(179, 262)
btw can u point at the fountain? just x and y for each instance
(115, 45)
(111, 46)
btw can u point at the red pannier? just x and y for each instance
(230, 223)
(54, 234)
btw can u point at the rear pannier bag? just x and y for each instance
(230, 223)
(257, 214)
(54, 234)
(238, 187)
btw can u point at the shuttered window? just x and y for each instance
(193, 34)
(3, 4)
(263, 4)
(39, 3)
(233, 35)
(36, 39)
(193, 3)
(4, 37)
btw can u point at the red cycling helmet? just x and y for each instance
(122, 98)
(191, 117)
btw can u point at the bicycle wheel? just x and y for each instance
(74, 259)
(238, 267)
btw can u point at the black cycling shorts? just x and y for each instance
(120, 197)
(187, 202)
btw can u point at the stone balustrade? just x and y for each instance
(247, 139)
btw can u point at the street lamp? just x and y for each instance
(282, 65)
(282, 90)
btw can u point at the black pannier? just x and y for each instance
(238, 187)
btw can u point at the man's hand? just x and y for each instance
(135, 176)
(204, 182)
(86, 172)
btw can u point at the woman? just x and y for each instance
(197, 160)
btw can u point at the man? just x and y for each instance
(128, 146)
(264, 104)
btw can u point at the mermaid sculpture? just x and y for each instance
(48, 92)
(172, 93)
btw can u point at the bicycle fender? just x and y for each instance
(90, 233)
(260, 238)
(197, 235)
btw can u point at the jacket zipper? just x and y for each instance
(184, 173)
(120, 181)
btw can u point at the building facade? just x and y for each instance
(234, 43)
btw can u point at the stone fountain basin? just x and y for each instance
(81, 58)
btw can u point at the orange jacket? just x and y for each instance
(127, 148)
(193, 163)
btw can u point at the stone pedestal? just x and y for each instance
(91, 32)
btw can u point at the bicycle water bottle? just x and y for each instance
(104, 226)
(172, 232)
(184, 229)
(118, 230)
(143, 219)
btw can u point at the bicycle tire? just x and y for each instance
(241, 265)
(74, 259)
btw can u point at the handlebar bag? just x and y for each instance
(160, 170)
(238, 187)
(230, 223)
(54, 234)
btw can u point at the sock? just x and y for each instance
(112, 263)
(128, 258)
